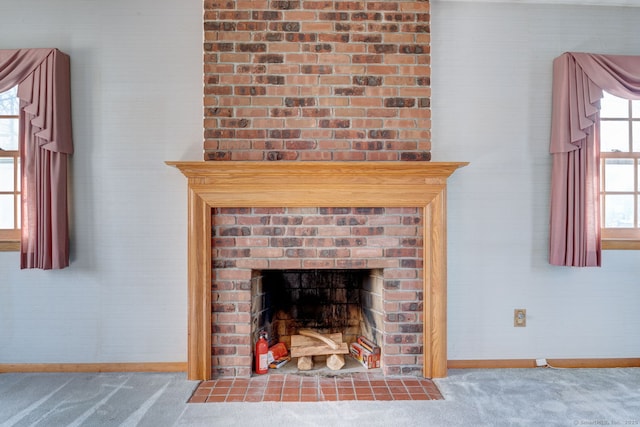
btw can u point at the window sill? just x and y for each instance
(620, 244)
(9, 246)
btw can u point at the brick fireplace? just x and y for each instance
(413, 312)
(317, 145)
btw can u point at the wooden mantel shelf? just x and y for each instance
(204, 168)
(308, 184)
(316, 184)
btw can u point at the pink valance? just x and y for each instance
(44, 90)
(45, 141)
(578, 82)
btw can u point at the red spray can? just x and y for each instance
(262, 348)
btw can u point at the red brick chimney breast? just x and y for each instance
(317, 80)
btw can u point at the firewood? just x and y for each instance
(310, 343)
(318, 349)
(305, 363)
(301, 340)
(335, 362)
(328, 341)
(315, 344)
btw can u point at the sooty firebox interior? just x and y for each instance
(327, 301)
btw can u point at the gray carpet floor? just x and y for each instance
(500, 397)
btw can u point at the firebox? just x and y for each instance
(344, 301)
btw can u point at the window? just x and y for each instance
(619, 168)
(9, 167)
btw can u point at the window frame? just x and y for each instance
(10, 238)
(621, 238)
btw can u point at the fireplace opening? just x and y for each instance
(327, 301)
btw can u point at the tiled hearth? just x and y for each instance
(297, 388)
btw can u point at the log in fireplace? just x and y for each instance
(233, 184)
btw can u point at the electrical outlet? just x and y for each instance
(541, 363)
(519, 317)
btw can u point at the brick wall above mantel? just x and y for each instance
(317, 80)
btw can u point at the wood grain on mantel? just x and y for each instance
(214, 184)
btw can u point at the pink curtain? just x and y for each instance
(43, 79)
(578, 82)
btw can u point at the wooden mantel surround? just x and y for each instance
(237, 184)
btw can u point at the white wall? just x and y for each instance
(137, 90)
(137, 96)
(491, 87)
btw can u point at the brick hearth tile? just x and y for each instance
(259, 393)
(330, 397)
(290, 391)
(401, 396)
(202, 391)
(420, 396)
(384, 397)
(397, 389)
(198, 399)
(237, 390)
(347, 397)
(272, 398)
(235, 398)
(365, 396)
